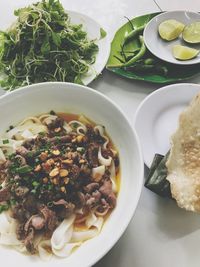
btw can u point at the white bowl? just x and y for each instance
(66, 97)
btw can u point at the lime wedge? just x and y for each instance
(183, 52)
(170, 29)
(191, 33)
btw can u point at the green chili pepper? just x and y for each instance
(136, 57)
(132, 34)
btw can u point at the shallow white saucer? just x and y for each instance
(163, 49)
(157, 117)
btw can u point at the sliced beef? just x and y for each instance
(106, 153)
(50, 218)
(62, 139)
(35, 221)
(4, 194)
(81, 197)
(21, 191)
(22, 151)
(30, 203)
(63, 208)
(58, 122)
(74, 172)
(92, 155)
(93, 199)
(91, 187)
(106, 190)
(28, 241)
(20, 231)
(20, 213)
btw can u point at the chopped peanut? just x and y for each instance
(55, 152)
(55, 181)
(46, 167)
(67, 161)
(54, 172)
(43, 156)
(81, 161)
(66, 180)
(63, 173)
(79, 138)
(38, 168)
(45, 180)
(73, 140)
(62, 189)
(50, 161)
(57, 130)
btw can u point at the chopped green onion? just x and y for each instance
(4, 207)
(5, 141)
(35, 184)
(80, 149)
(23, 169)
(33, 191)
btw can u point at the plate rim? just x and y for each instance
(107, 46)
(177, 62)
(145, 101)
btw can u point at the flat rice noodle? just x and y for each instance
(63, 233)
(102, 160)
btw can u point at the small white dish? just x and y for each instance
(156, 118)
(163, 49)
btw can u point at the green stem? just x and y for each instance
(133, 34)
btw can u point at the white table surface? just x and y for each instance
(160, 234)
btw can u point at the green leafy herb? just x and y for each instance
(5, 141)
(43, 46)
(23, 169)
(4, 207)
(103, 33)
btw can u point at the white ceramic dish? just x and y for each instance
(157, 117)
(163, 49)
(73, 98)
(94, 33)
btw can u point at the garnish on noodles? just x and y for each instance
(59, 176)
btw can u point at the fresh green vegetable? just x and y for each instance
(134, 33)
(156, 180)
(149, 66)
(23, 169)
(4, 207)
(5, 141)
(43, 46)
(136, 57)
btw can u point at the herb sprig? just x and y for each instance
(42, 45)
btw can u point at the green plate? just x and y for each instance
(175, 73)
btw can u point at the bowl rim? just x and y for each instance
(132, 208)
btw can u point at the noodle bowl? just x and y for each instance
(59, 182)
(72, 98)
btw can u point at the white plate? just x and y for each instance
(93, 29)
(163, 49)
(157, 116)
